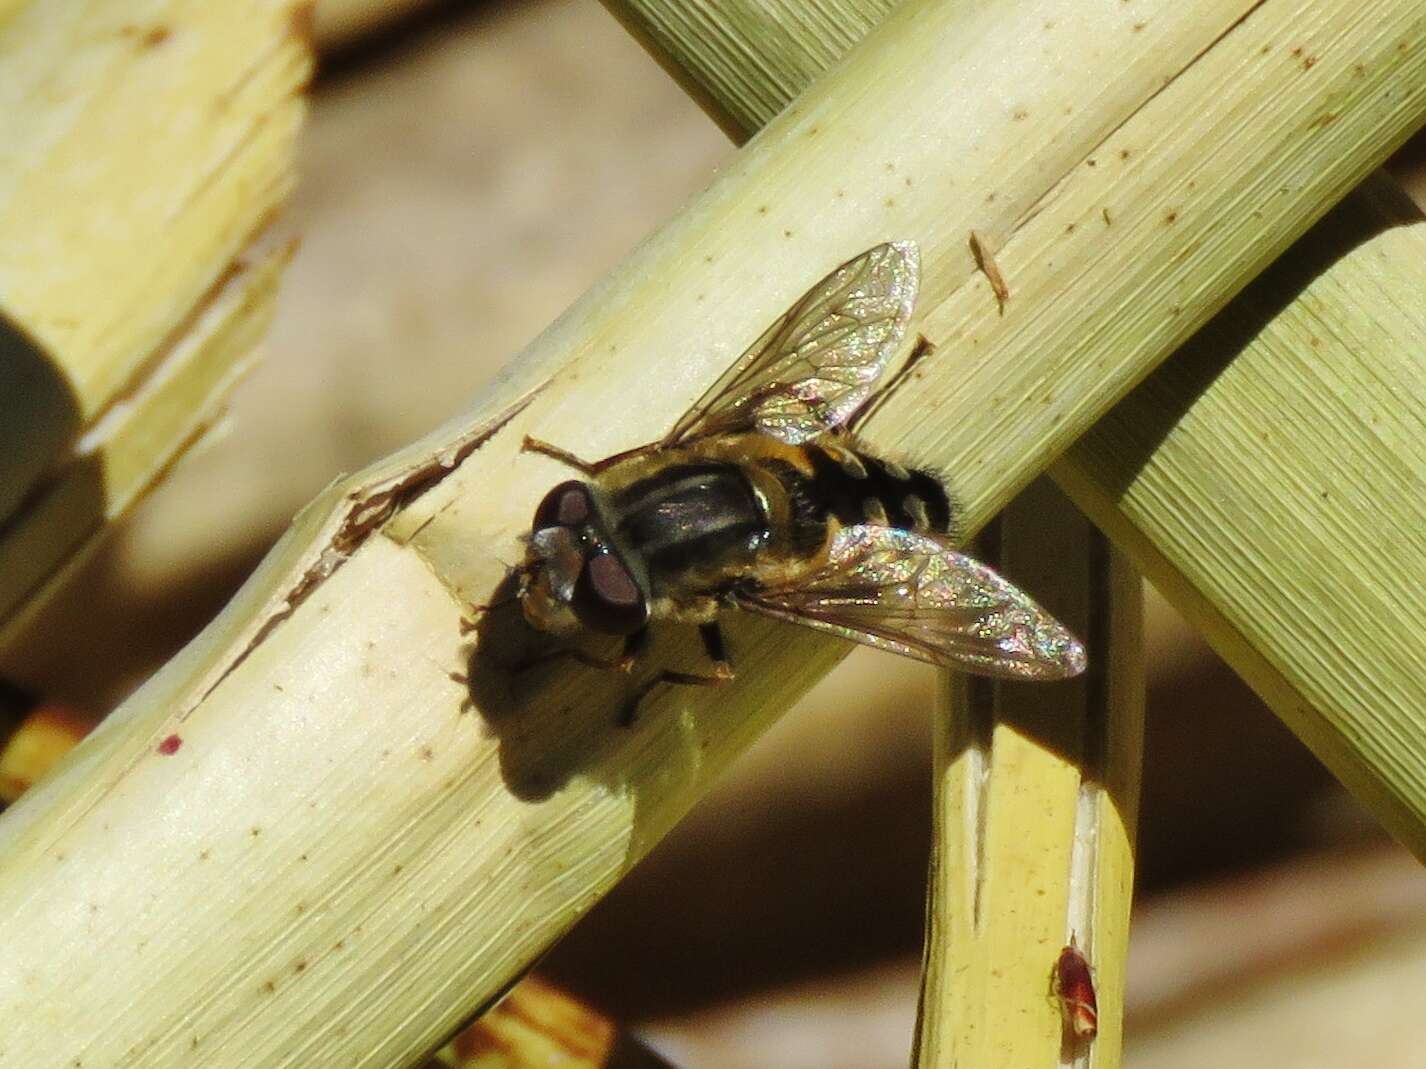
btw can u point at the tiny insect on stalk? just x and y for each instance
(758, 499)
(1073, 985)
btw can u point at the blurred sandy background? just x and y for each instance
(468, 170)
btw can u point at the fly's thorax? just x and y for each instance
(776, 472)
(690, 515)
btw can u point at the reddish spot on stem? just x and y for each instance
(169, 746)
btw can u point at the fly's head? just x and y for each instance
(577, 575)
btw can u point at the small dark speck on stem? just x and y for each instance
(147, 38)
(1171, 218)
(1105, 212)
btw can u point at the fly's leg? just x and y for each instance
(621, 663)
(633, 646)
(565, 457)
(717, 651)
(517, 576)
(554, 452)
(630, 711)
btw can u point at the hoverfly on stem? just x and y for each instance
(760, 499)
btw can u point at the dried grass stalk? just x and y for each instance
(145, 148)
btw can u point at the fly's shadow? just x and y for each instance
(558, 705)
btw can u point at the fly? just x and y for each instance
(760, 500)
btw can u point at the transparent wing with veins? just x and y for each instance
(818, 364)
(908, 593)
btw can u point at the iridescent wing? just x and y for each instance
(908, 593)
(818, 364)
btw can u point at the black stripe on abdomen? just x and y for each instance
(848, 484)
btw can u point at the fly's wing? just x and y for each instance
(814, 367)
(902, 591)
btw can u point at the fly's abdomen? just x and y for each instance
(857, 488)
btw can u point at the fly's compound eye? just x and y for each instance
(607, 599)
(567, 505)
